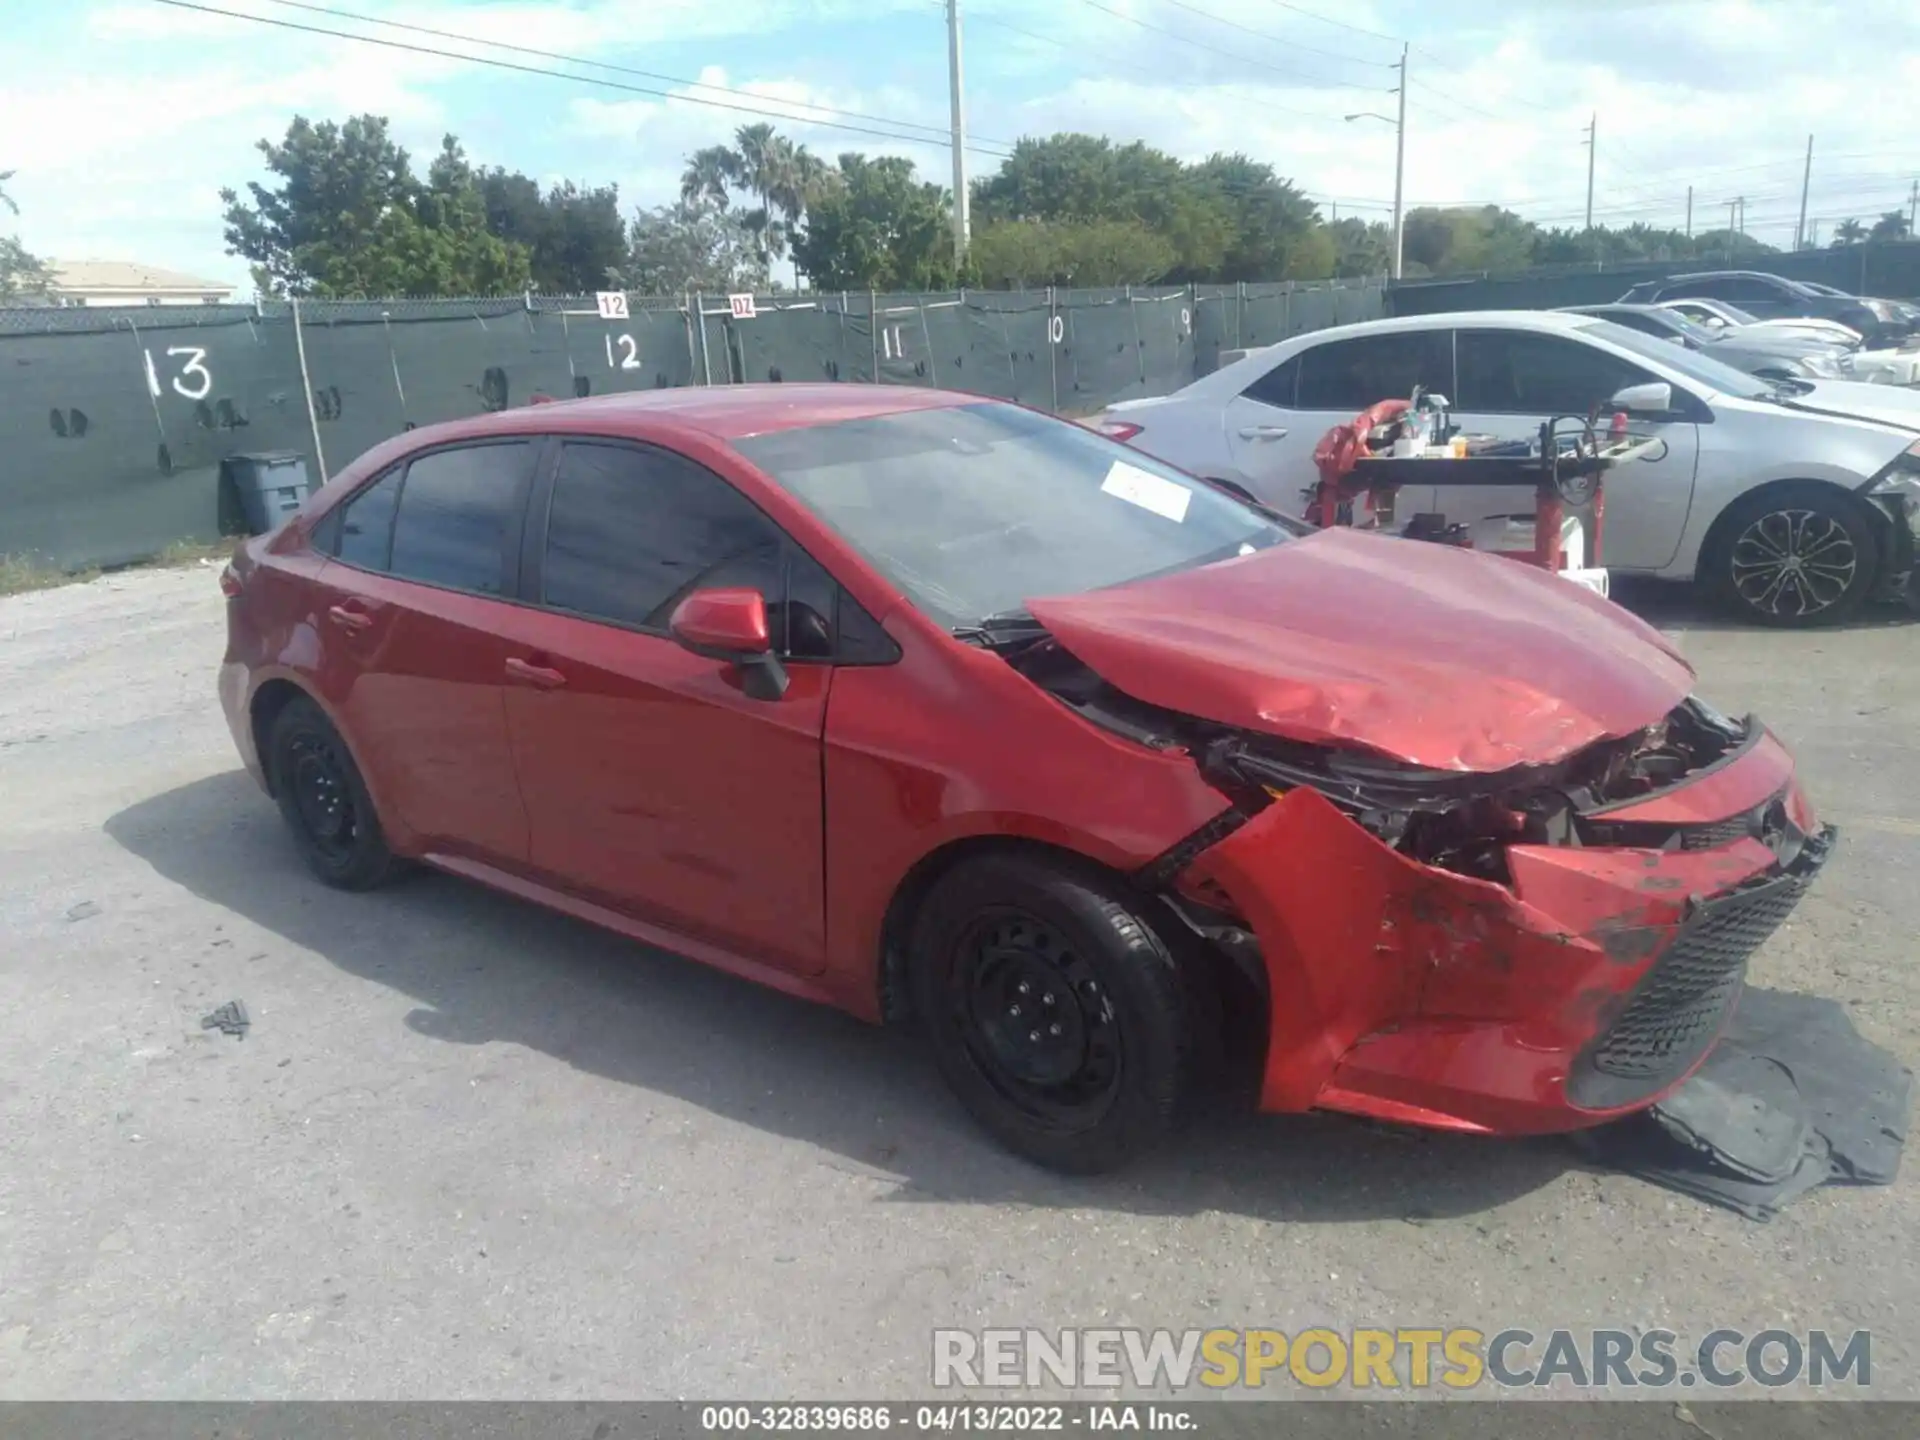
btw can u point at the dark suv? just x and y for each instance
(1770, 297)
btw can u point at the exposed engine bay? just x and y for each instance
(1462, 822)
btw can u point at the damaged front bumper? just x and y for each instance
(1585, 984)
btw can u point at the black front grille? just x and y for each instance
(1677, 1010)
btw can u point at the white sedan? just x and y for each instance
(1793, 501)
(1876, 367)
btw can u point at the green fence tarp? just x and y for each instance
(114, 423)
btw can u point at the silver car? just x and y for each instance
(1774, 356)
(1793, 501)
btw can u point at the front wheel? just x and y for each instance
(1797, 556)
(1057, 1015)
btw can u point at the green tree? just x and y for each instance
(1087, 253)
(710, 175)
(1849, 232)
(784, 178)
(877, 225)
(1361, 247)
(347, 216)
(1728, 245)
(23, 275)
(574, 235)
(1890, 226)
(1275, 230)
(1072, 179)
(692, 245)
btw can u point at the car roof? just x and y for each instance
(723, 412)
(1560, 320)
(1609, 307)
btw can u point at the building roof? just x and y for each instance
(129, 275)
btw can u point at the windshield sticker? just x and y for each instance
(1149, 492)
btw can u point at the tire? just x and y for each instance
(1095, 1074)
(1822, 528)
(325, 802)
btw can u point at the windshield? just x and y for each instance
(973, 509)
(1695, 366)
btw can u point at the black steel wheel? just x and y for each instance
(1796, 556)
(324, 800)
(1058, 1016)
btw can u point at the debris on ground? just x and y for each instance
(230, 1019)
(85, 910)
(1792, 1098)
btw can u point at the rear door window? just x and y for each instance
(364, 534)
(1350, 375)
(458, 521)
(1277, 387)
(1518, 372)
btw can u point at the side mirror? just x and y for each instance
(1653, 398)
(730, 624)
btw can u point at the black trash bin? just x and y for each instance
(259, 490)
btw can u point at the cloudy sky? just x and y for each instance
(123, 118)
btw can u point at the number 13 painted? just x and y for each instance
(194, 381)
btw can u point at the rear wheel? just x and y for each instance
(325, 802)
(1057, 1014)
(1795, 556)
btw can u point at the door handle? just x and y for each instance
(349, 619)
(540, 677)
(1263, 432)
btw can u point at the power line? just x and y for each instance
(1337, 24)
(939, 132)
(1215, 49)
(1288, 41)
(1106, 57)
(996, 151)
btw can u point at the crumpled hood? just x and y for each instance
(1443, 658)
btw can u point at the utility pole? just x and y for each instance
(1689, 212)
(1733, 227)
(1913, 208)
(1806, 178)
(1400, 163)
(1399, 156)
(1593, 149)
(961, 228)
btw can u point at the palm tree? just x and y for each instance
(1849, 232)
(1890, 226)
(708, 176)
(5, 198)
(769, 169)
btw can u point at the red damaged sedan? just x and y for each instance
(935, 708)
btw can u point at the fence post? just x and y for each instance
(1139, 350)
(873, 330)
(700, 319)
(1239, 314)
(687, 318)
(1053, 351)
(306, 384)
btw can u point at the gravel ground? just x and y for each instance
(471, 1149)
